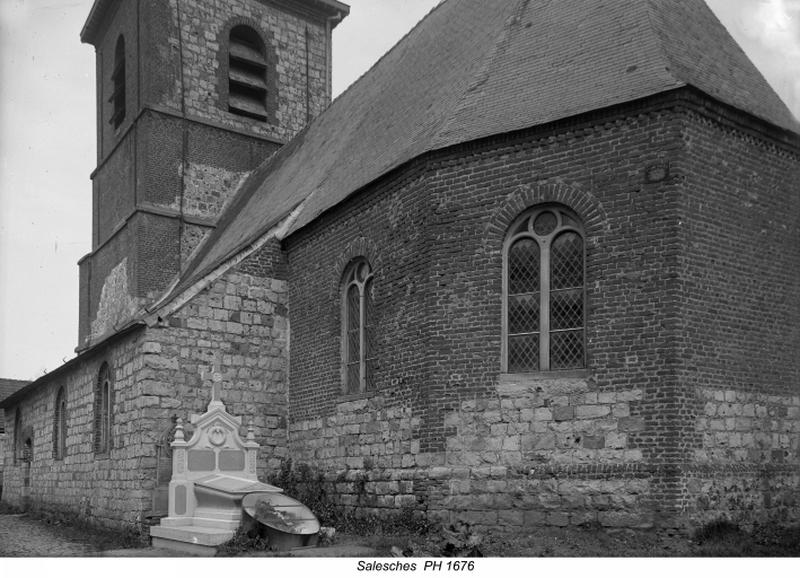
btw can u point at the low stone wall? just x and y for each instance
(541, 452)
(747, 468)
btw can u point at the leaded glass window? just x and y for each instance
(103, 404)
(544, 292)
(358, 327)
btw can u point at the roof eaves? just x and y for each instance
(332, 9)
(14, 398)
(89, 30)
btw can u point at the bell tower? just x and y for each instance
(192, 95)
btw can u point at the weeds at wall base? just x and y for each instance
(74, 525)
(311, 488)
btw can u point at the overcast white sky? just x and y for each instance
(47, 144)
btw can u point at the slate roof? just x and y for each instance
(7, 388)
(476, 68)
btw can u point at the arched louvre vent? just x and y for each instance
(117, 98)
(247, 74)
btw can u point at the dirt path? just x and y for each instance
(23, 536)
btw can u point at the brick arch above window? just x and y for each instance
(358, 247)
(583, 203)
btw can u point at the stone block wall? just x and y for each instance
(297, 46)
(109, 488)
(542, 452)
(233, 333)
(3, 450)
(747, 467)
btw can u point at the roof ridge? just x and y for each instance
(703, 72)
(386, 54)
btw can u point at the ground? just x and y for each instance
(28, 535)
(23, 536)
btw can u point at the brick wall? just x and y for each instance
(741, 320)
(114, 194)
(616, 444)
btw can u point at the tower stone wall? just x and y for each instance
(167, 170)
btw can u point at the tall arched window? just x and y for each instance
(60, 425)
(247, 74)
(358, 329)
(117, 98)
(103, 405)
(544, 292)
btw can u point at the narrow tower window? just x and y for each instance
(117, 98)
(247, 74)
(358, 327)
(60, 426)
(544, 302)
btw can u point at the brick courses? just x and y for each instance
(628, 429)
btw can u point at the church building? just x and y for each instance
(539, 266)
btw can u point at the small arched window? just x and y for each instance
(60, 425)
(358, 327)
(17, 435)
(544, 292)
(103, 404)
(247, 74)
(117, 98)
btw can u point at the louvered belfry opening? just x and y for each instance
(247, 74)
(117, 98)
